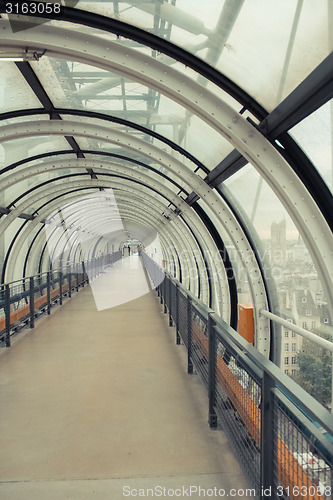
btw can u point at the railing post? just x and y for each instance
(77, 277)
(170, 304)
(48, 292)
(7, 314)
(161, 290)
(212, 372)
(189, 335)
(165, 294)
(83, 273)
(177, 315)
(32, 301)
(60, 287)
(69, 278)
(267, 435)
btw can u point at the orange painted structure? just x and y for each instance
(246, 322)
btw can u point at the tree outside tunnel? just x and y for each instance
(314, 369)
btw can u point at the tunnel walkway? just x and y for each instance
(93, 401)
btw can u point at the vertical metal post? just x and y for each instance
(7, 314)
(60, 287)
(32, 301)
(77, 277)
(170, 304)
(189, 335)
(161, 290)
(212, 372)
(83, 273)
(177, 315)
(165, 294)
(48, 291)
(69, 277)
(267, 435)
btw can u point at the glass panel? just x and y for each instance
(238, 271)
(300, 294)
(19, 149)
(268, 66)
(76, 85)
(315, 136)
(10, 194)
(14, 92)
(97, 145)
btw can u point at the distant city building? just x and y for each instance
(278, 242)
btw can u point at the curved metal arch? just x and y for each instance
(97, 183)
(183, 241)
(189, 224)
(176, 52)
(13, 240)
(249, 266)
(72, 152)
(71, 186)
(251, 143)
(108, 118)
(78, 163)
(85, 164)
(177, 234)
(61, 128)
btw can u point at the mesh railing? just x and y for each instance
(199, 338)
(22, 301)
(182, 317)
(283, 438)
(237, 402)
(301, 465)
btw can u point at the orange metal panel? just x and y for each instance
(246, 322)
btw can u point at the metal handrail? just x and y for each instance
(327, 344)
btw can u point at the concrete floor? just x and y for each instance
(92, 402)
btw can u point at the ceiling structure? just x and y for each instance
(208, 122)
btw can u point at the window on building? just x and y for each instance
(325, 320)
(304, 324)
(293, 334)
(286, 334)
(293, 360)
(293, 347)
(286, 372)
(286, 360)
(286, 347)
(308, 312)
(293, 372)
(304, 300)
(313, 324)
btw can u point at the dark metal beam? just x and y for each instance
(227, 167)
(311, 94)
(233, 162)
(38, 89)
(6, 211)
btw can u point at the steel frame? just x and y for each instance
(244, 136)
(199, 228)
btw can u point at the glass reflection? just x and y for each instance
(301, 297)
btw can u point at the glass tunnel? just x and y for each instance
(218, 143)
(200, 130)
